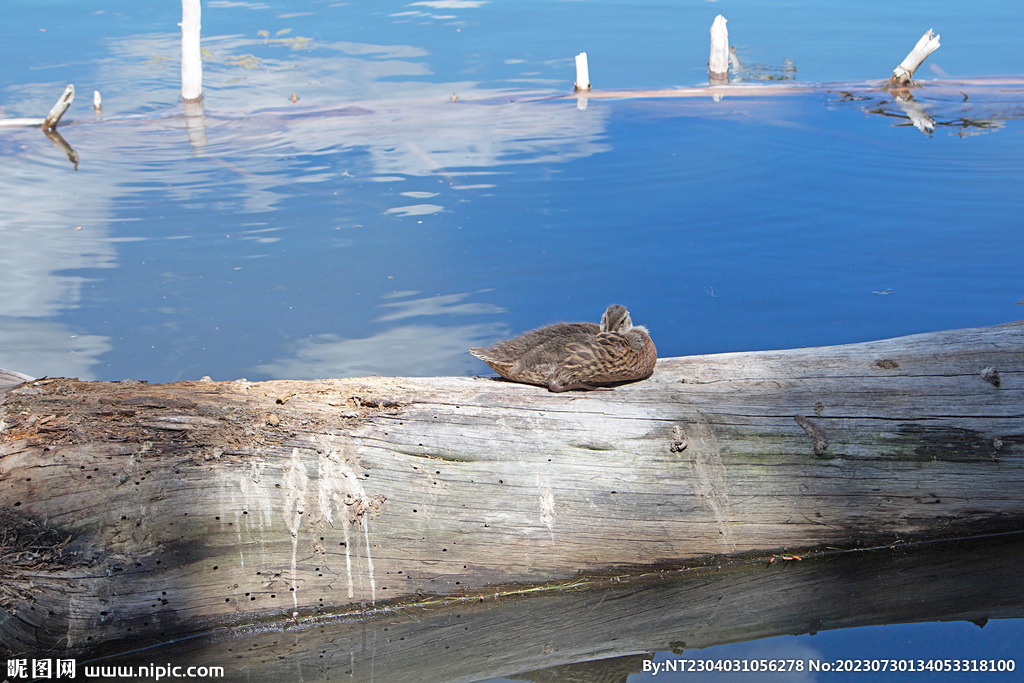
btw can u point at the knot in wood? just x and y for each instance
(817, 435)
(679, 440)
(991, 375)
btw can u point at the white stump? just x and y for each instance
(718, 64)
(191, 59)
(97, 101)
(902, 74)
(582, 72)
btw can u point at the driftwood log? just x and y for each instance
(133, 514)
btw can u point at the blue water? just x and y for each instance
(376, 226)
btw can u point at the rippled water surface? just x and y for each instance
(378, 226)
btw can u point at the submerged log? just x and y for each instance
(160, 511)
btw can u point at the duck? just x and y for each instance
(576, 356)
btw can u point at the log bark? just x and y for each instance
(160, 511)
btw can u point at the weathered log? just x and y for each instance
(184, 507)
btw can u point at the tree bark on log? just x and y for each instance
(153, 512)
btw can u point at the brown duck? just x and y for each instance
(576, 355)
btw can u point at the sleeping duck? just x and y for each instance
(568, 356)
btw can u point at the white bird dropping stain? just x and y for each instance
(295, 482)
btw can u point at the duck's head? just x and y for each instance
(616, 319)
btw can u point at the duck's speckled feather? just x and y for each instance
(575, 355)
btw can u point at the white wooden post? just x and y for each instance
(582, 72)
(902, 74)
(97, 101)
(191, 59)
(718, 64)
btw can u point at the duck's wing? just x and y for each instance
(533, 357)
(603, 359)
(608, 358)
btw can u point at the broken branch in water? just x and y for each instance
(902, 74)
(51, 120)
(65, 100)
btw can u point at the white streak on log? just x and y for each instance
(928, 44)
(547, 505)
(191, 58)
(295, 483)
(582, 72)
(63, 102)
(709, 470)
(348, 561)
(718, 63)
(369, 560)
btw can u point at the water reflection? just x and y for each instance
(598, 629)
(46, 231)
(942, 106)
(407, 351)
(435, 305)
(41, 347)
(226, 155)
